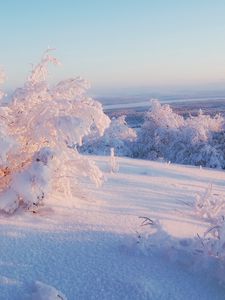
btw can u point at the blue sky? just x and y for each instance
(119, 43)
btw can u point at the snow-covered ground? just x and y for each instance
(88, 248)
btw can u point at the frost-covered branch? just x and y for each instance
(39, 120)
(40, 71)
(118, 136)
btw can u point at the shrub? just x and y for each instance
(196, 140)
(40, 129)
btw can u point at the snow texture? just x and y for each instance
(46, 292)
(89, 247)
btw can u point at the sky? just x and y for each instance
(117, 44)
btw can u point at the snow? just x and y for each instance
(43, 291)
(50, 122)
(194, 141)
(87, 247)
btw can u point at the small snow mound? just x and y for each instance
(42, 291)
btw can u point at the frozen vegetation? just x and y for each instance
(165, 135)
(195, 140)
(118, 136)
(40, 129)
(154, 230)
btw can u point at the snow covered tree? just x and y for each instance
(155, 135)
(196, 140)
(118, 136)
(39, 131)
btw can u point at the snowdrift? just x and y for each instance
(95, 247)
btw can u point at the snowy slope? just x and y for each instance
(87, 248)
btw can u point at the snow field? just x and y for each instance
(87, 247)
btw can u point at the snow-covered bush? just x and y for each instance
(118, 136)
(155, 134)
(39, 132)
(208, 205)
(213, 241)
(152, 238)
(205, 252)
(196, 140)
